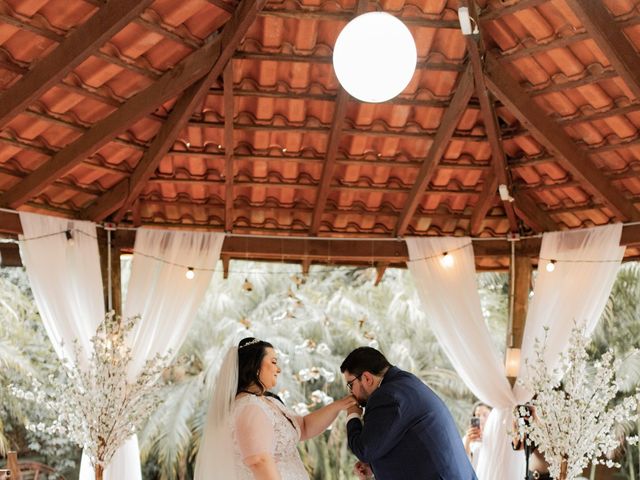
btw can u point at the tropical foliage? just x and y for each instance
(314, 321)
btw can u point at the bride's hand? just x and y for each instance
(347, 402)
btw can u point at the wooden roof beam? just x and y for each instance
(233, 33)
(553, 137)
(448, 124)
(191, 69)
(338, 250)
(80, 44)
(610, 38)
(229, 146)
(488, 114)
(328, 170)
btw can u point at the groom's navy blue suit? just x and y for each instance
(408, 433)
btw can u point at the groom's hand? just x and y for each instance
(363, 470)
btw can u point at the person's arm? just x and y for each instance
(318, 421)
(256, 441)
(263, 467)
(381, 431)
(472, 435)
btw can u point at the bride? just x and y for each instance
(249, 433)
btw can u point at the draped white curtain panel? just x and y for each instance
(576, 292)
(67, 285)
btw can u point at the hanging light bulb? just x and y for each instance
(247, 285)
(190, 273)
(551, 266)
(447, 260)
(70, 241)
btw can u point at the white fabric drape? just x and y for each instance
(66, 282)
(65, 279)
(576, 291)
(167, 302)
(450, 297)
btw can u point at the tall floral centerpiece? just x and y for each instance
(574, 413)
(95, 403)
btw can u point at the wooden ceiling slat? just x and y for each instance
(229, 145)
(79, 45)
(495, 13)
(169, 85)
(123, 196)
(531, 214)
(488, 114)
(553, 137)
(328, 169)
(448, 124)
(346, 15)
(609, 38)
(328, 59)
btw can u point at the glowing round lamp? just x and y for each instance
(374, 57)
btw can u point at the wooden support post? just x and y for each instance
(380, 269)
(306, 265)
(519, 284)
(226, 260)
(116, 284)
(12, 465)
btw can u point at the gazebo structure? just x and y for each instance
(227, 116)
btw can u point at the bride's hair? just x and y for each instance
(251, 351)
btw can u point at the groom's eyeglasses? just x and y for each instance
(351, 382)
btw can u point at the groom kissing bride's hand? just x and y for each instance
(406, 431)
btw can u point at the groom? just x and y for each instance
(407, 432)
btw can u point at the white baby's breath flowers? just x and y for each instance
(98, 406)
(574, 415)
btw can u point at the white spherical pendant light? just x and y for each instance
(375, 57)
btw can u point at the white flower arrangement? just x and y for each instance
(96, 405)
(574, 418)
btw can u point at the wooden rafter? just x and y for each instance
(229, 145)
(448, 124)
(339, 115)
(80, 44)
(498, 12)
(232, 34)
(557, 142)
(191, 69)
(487, 111)
(610, 38)
(381, 267)
(531, 214)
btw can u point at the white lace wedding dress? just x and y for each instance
(265, 425)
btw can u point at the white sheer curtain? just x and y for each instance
(586, 265)
(450, 298)
(167, 301)
(65, 279)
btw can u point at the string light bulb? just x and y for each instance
(190, 273)
(447, 260)
(69, 236)
(551, 266)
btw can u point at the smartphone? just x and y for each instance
(475, 422)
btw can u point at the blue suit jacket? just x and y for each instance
(408, 433)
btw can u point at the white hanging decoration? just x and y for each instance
(375, 57)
